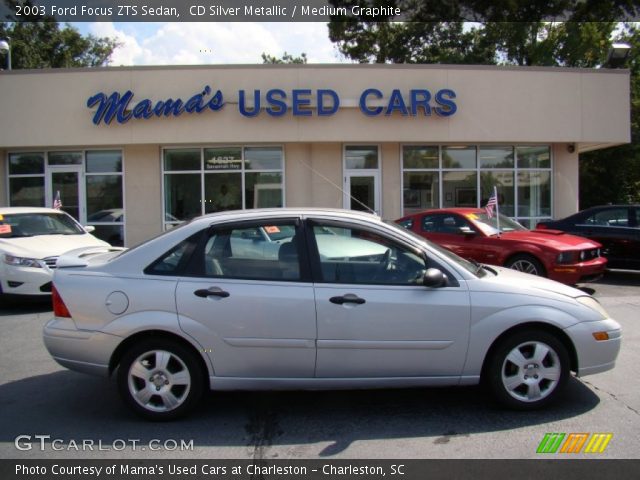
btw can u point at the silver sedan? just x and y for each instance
(348, 301)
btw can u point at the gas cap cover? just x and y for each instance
(117, 303)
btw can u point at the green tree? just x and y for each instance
(512, 32)
(44, 44)
(612, 175)
(286, 58)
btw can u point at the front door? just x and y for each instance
(374, 317)
(66, 183)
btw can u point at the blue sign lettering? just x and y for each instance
(323, 110)
(117, 106)
(420, 99)
(363, 102)
(274, 103)
(242, 104)
(447, 106)
(275, 98)
(396, 102)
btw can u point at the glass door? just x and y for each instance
(362, 178)
(361, 191)
(65, 183)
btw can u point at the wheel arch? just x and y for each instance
(540, 326)
(526, 253)
(128, 342)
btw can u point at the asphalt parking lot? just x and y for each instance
(40, 398)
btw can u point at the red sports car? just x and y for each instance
(470, 233)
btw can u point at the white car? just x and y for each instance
(348, 301)
(31, 240)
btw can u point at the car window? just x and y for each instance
(35, 224)
(359, 256)
(443, 223)
(615, 217)
(407, 223)
(172, 262)
(494, 224)
(260, 252)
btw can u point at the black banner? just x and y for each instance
(317, 469)
(317, 10)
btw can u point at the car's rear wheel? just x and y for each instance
(526, 264)
(160, 379)
(528, 370)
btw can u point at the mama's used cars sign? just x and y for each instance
(275, 102)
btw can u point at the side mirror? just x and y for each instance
(466, 231)
(434, 278)
(89, 228)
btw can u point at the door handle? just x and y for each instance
(348, 298)
(211, 292)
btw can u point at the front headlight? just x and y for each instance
(565, 257)
(22, 261)
(594, 305)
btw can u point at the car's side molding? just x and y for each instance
(241, 383)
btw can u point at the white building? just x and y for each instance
(398, 138)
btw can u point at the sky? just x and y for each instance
(191, 43)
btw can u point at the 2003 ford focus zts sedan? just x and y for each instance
(309, 299)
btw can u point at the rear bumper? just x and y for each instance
(79, 350)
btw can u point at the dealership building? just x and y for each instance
(135, 151)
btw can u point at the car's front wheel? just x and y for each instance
(160, 379)
(528, 370)
(527, 264)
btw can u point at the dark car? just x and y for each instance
(616, 227)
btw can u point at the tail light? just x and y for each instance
(59, 308)
(541, 226)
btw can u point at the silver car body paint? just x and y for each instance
(283, 334)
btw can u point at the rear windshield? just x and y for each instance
(16, 225)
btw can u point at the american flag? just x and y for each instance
(57, 203)
(492, 203)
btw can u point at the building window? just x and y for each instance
(464, 176)
(36, 177)
(105, 195)
(212, 179)
(26, 179)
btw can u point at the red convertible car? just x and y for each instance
(470, 233)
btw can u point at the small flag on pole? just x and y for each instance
(57, 203)
(492, 204)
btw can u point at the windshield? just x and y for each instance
(471, 267)
(17, 225)
(489, 226)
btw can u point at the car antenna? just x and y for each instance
(338, 187)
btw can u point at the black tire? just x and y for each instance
(527, 264)
(537, 379)
(160, 379)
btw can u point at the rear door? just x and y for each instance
(252, 310)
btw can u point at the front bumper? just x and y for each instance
(26, 280)
(596, 356)
(571, 274)
(81, 350)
